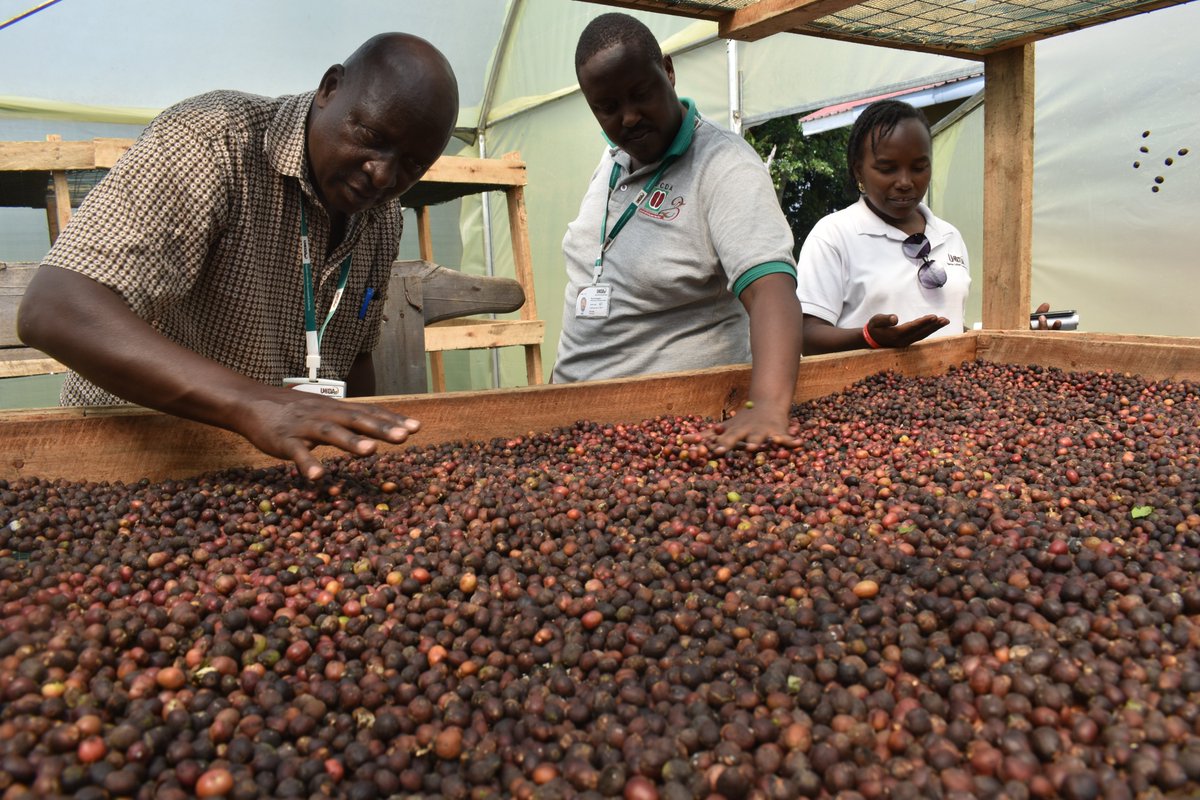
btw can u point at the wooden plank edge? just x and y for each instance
(462, 169)
(766, 17)
(664, 7)
(130, 443)
(1153, 358)
(59, 155)
(28, 367)
(483, 333)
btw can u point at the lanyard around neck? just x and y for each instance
(607, 237)
(313, 335)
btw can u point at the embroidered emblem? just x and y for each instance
(653, 207)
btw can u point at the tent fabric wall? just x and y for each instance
(152, 53)
(1097, 90)
(956, 194)
(1104, 243)
(788, 74)
(45, 110)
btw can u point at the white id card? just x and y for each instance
(593, 301)
(322, 386)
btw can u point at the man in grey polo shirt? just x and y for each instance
(680, 258)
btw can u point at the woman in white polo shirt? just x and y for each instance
(886, 258)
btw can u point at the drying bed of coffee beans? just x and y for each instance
(983, 584)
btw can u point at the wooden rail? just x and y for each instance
(129, 443)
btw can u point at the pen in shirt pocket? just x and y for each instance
(367, 296)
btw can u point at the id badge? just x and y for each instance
(322, 386)
(593, 301)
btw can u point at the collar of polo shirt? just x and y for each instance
(683, 137)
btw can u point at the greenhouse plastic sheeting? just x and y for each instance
(1101, 235)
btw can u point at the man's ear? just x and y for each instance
(669, 68)
(329, 84)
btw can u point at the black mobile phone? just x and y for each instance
(1069, 319)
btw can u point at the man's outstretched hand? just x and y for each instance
(751, 428)
(290, 424)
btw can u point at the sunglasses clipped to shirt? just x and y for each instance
(930, 274)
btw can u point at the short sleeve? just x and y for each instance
(145, 230)
(821, 276)
(746, 224)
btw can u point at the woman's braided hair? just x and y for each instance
(877, 121)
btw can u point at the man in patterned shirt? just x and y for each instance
(178, 285)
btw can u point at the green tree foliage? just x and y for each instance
(809, 171)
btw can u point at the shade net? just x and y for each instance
(964, 26)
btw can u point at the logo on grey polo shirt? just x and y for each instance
(653, 207)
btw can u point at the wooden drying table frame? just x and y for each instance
(127, 444)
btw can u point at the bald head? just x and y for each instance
(379, 121)
(410, 69)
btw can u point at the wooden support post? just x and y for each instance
(437, 367)
(400, 358)
(1008, 188)
(52, 219)
(421, 293)
(58, 209)
(523, 265)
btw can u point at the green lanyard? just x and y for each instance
(312, 336)
(608, 237)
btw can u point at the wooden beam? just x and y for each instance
(665, 7)
(52, 155)
(1151, 357)
(518, 229)
(472, 334)
(51, 219)
(60, 202)
(436, 374)
(518, 226)
(109, 150)
(400, 357)
(766, 17)
(127, 443)
(14, 277)
(22, 362)
(461, 169)
(1008, 188)
(437, 371)
(46, 156)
